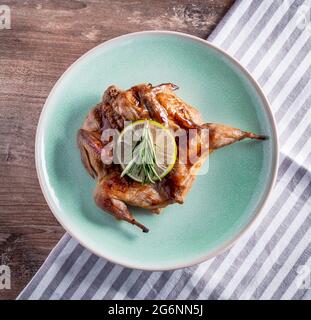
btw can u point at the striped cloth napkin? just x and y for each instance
(273, 40)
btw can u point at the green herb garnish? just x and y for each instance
(144, 158)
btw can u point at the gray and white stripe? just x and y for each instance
(267, 38)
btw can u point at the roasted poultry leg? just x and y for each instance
(161, 104)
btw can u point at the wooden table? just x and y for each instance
(46, 37)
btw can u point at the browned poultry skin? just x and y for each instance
(161, 104)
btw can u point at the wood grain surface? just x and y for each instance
(45, 38)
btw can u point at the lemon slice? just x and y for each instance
(146, 151)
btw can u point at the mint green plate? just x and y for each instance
(221, 204)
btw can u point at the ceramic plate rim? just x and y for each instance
(227, 244)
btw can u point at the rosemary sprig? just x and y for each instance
(144, 159)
